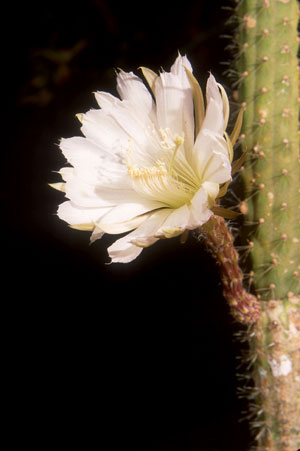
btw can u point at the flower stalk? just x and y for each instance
(244, 306)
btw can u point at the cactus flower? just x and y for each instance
(152, 163)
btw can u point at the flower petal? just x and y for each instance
(127, 211)
(187, 217)
(174, 102)
(130, 120)
(211, 157)
(212, 190)
(213, 92)
(73, 215)
(122, 251)
(130, 246)
(96, 235)
(214, 119)
(105, 132)
(181, 63)
(131, 88)
(176, 223)
(121, 227)
(93, 164)
(199, 207)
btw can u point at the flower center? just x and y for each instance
(164, 175)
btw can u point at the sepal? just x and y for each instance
(88, 227)
(60, 186)
(198, 101)
(224, 212)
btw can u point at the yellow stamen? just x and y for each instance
(178, 140)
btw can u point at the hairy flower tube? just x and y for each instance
(152, 163)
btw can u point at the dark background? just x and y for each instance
(139, 356)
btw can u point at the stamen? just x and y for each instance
(178, 140)
(167, 177)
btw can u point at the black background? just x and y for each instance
(139, 356)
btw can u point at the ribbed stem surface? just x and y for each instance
(268, 90)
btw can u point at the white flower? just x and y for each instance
(149, 164)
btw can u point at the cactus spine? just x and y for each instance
(267, 88)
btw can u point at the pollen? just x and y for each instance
(155, 171)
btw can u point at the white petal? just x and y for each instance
(92, 163)
(176, 223)
(174, 104)
(127, 211)
(213, 92)
(216, 92)
(199, 208)
(66, 173)
(211, 157)
(136, 99)
(145, 235)
(179, 66)
(214, 119)
(187, 217)
(106, 100)
(125, 250)
(73, 215)
(122, 227)
(105, 132)
(126, 116)
(96, 235)
(122, 251)
(131, 88)
(103, 193)
(212, 190)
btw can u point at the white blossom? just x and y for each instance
(150, 163)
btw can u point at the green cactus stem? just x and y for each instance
(267, 90)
